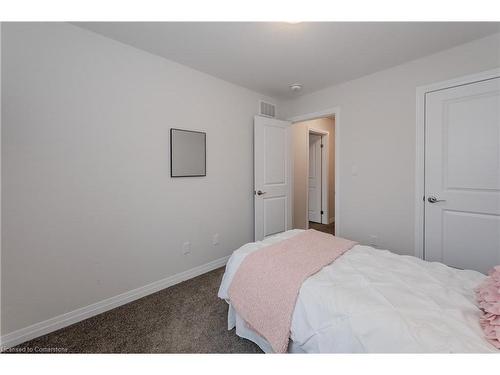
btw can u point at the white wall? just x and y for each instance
(89, 208)
(377, 137)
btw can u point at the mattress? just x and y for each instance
(375, 301)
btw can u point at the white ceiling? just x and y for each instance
(267, 57)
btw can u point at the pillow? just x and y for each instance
(488, 297)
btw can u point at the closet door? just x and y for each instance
(462, 175)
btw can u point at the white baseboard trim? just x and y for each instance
(53, 324)
(331, 220)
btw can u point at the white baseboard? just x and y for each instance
(53, 324)
(331, 220)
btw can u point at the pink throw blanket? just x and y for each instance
(488, 297)
(265, 288)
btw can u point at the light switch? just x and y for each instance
(354, 170)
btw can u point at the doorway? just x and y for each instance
(316, 178)
(313, 153)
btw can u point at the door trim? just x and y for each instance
(335, 112)
(324, 172)
(421, 91)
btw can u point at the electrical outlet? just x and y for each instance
(373, 241)
(215, 239)
(186, 248)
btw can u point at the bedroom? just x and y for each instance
(142, 162)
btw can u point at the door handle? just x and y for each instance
(433, 199)
(260, 192)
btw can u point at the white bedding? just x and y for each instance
(375, 301)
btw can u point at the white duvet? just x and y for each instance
(375, 301)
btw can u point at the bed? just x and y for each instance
(374, 301)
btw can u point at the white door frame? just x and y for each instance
(335, 112)
(420, 146)
(324, 174)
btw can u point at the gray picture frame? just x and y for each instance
(188, 153)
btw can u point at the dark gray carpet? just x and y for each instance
(185, 318)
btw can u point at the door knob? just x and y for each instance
(260, 192)
(433, 199)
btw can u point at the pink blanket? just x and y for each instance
(488, 297)
(265, 288)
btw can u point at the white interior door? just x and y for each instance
(315, 182)
(462, 176)
(272, 187)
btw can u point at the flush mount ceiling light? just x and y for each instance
(295, 87)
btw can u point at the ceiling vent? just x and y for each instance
(267, 109)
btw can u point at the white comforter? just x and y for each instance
(372, 300)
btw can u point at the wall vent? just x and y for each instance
(267, 109)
